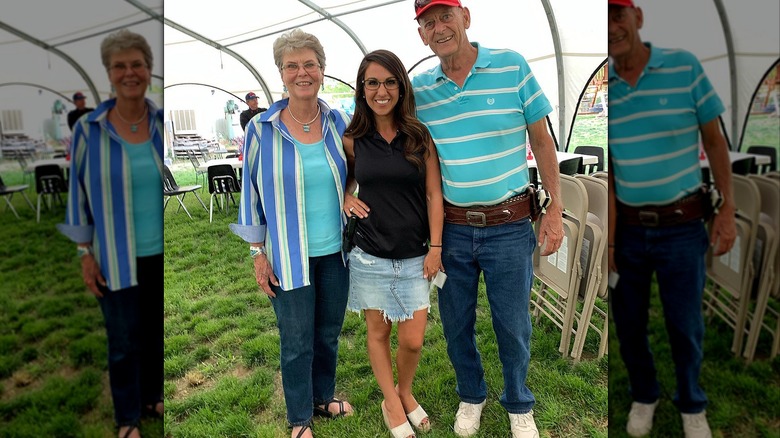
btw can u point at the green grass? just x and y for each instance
(744, 400)
(222, 353)
(589, 130)
(53, 363)
(762, 129)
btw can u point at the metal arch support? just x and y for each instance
(338, 23)
(29, 84)
(204, 85)
(559, 64)
(207, 41)
(76, 66)
(729, 37)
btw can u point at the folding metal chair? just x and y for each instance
(560, 274)
(173, 190)
(7, 192)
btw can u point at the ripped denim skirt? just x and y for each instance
(395, 287)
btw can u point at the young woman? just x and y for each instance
(391, 157)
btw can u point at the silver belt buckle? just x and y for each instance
(476, 218)
(648, 218)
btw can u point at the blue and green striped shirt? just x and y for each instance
(273, 203)
(654, 128)
(100, 194)
(480, 130)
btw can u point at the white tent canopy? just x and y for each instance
(564, 42)
(737, 42)
(50, 50)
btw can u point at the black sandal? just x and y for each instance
(324, 412)
(129, 430)
(150, 411)
(303, 429)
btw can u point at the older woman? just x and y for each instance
(290, 214)
(115, 217)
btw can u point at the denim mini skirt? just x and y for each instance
(395, 287)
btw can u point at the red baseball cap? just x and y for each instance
(624, 3)
(251, 95)
(420, 6)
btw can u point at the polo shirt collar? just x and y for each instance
(483, 60)
(656, 60)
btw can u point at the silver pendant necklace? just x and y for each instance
(133, 125)
(305, 125)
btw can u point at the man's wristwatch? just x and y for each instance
(255, 251)
(81, 251)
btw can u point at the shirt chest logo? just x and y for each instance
(491, 101)
(663, 101)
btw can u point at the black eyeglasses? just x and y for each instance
(373, 84)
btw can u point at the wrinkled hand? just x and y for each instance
(264, 274)
(432, 263)
(551, 230)
(724, 231)
(90, 271)
(353, 205)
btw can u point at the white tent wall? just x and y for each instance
(696, 26)
(75, 28)
(519, 25)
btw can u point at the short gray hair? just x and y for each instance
(294, 40)
(122, 40)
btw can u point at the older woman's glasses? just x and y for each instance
(373, 84)
(119, 68)
(292, 67)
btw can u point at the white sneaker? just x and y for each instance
(467, 419)
(695, 425)
(640, 419)
(523, 425)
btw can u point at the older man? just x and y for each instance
(479, 105)
(660, 100)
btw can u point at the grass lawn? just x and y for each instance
(53, 366)
(222, 353)
(744, 400)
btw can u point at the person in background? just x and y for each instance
(398, 238)
(290, 214)
(247, 114)
(81, 108)
(660, 101)
(115, 216)
(480, 104)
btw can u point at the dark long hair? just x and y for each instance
(404, 113)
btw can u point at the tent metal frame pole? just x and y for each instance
(48, 47)
(727, 34)
(206, 41)
(338, 23)
(556, 37)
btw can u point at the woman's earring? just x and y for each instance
(323, 86)
(284, 88)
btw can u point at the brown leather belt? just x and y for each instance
(690, 208)
(512, 210)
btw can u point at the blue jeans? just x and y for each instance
(134, 327)
(676, 255)
(309, 320)
(503, 254)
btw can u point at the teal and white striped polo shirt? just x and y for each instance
(654, 128)
(480, 130)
